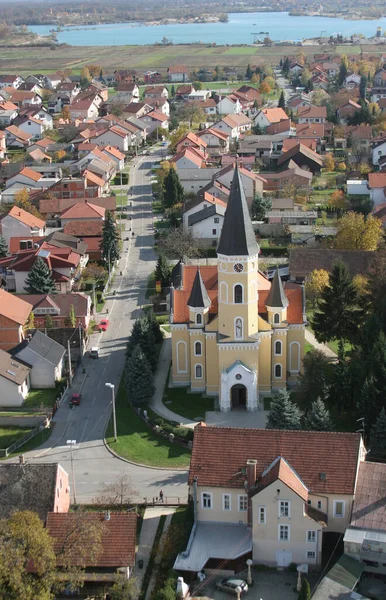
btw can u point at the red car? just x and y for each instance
(103, 325)
(75, 399)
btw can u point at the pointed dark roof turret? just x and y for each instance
(276, 297)
(199, 296)
(237, 235)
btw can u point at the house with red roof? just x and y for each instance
(89, 232)
(83, 211)
(312, 114)
(16, 138)
(64, 263)
(8, 112)
(191, 140)
(189, 158)
(154, 120)
(271, 495)
(203, 218)
(18, 222)
(14, 315)
(178, 74)
(58, 306)
(267, 116)
(217, 141)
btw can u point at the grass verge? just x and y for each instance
(38, 398)
(138, 443)
(33, 443)
(9, 435)
(190, 406)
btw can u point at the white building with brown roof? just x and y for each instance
(14, 380)
(14, 314)
(18, 222)
(268, 495)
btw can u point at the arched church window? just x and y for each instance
(198, 371)
(199, 319)
(278, 348)
(238, 293)
(276, 318)
(239, 329)
(198, 348)
(278, 371)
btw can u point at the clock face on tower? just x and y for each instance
(238, 267)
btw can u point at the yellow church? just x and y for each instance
(235, 334)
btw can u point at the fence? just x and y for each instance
(4, 452)
(167, 501)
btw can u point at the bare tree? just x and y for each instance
(178, 244)
(118, 493)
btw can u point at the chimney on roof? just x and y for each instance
(251, 472)
(107, 515)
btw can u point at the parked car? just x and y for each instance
(103, 325)
(229, 584)
(94, 352)
(75, 399)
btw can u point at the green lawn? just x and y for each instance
(121, 198)
(308, 347)
(9, 435)
(161, 224)
(190, 406)
(45, 397)
(334, 346)
(137, 442)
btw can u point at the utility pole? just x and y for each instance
(80, 343)
(112, 387)
(69, 362)
(72, 443)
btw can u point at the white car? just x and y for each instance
(94, 352)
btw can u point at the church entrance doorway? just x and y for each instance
(238, 396)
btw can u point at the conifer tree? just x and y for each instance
(367, 402)
(338, 315)
(318, 417)
(39, 280)
(3, 247)
(70, 320)
(173, 192)
(283, 413)
(155, 328)
(48, 322)
(305, 591)
(142, 335)
(281, 103)
(139, 377)
(110, 240)
(378, 437)
(248, 72)
(162, 271)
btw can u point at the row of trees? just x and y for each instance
(141, 358)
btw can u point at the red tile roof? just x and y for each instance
(25, 217)
(117, 541)
(369, 510)
(281, 470)
(210, 278)
(84, 228)
(274, 115)
(14, 308)
(219, 454)
(83, 210)
(377, 180)
(312, 112)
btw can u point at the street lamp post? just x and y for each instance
(112, 387)
(72, 443)
(249, 576)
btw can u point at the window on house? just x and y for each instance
(238, 293)
(243, 503)
(214, 231)
(198, 319)
(198, 348)
(284, 533)
(278, 349)
(277, 371)
(262, 515)
(284, 508)
(216, 220)
(206, 500)
(198, 372)
(319, 504)
(60, 483)
(226, 502)
(311, 554)
(311, 536)
(338, 509)
(276, 318)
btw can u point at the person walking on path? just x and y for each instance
(161, 496)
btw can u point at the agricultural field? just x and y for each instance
(29, 59)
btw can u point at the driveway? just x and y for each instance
(267, 585)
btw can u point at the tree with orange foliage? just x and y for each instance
(329, 163)
(264, 88)
(337, 199)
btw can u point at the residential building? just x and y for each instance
(377, 187)
(155, 120)
(378, 152)
(33, 126)
(365, 538)
(291, 175)
(189, 158)
(268, 495)
(234, 334)
(234, 125)
(58, 306)
(303, 157)
(14, 81)
(116, 558)
(16, 138)
(8, 113)
(156, 91)
(22, 98)
(227, 106)
(14, 380)
(312, 114)
(347, 110)
(152, 77)
(267, 116)
(193, 141)
(178, 74)
(14, 315)
(204, 218)
(83, 211)
(217, 142)
(18, 222)
(39, 487)
(44, 356)
(90, 233)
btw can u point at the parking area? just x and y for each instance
(267, 585)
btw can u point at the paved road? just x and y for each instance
(93, 463)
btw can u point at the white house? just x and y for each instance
(217, 141)
(377, 187)
(114, 136)
(44, 356)
(8, 113)
(378, 152)
(234, 125)
(268, 116)
(352, 80)
(14, 380)
(199, 95)
(204, 220)
(20, 223)
(33, 126)
(226, 106)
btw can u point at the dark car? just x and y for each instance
(75, 399)
(229, 584)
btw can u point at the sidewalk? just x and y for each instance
(158, 557)
(146, 539)
(160, 379)
(311, 339)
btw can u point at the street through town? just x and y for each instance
(92, 464)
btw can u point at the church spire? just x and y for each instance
(237, 235)
(276, 297)
(198, 296)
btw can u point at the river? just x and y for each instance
(242, 28)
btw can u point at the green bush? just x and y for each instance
(274, 251)
(87, 286)
(158, 421)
